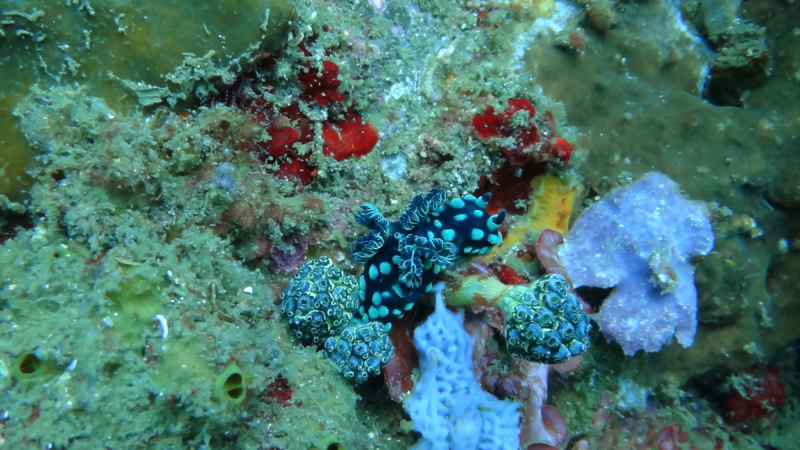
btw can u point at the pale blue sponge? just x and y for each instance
(639, 240)
(447, 405)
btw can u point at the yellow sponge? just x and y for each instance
(550, 207)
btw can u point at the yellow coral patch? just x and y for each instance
(552, 204)
(540, 8)
(550, 207)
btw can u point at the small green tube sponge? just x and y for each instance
(330, 443)
(319, 301)
(544, 322)
(29, 366)
(230, 385)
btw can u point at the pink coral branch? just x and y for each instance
(547, 251)
(540, 423)
(527, 383)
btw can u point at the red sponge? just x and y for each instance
(354, 137)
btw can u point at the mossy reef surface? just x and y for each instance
(147, 229)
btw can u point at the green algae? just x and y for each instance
(141, 192)
(128, 53)
(117, 187)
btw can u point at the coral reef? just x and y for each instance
(174, 166)
(159, 319)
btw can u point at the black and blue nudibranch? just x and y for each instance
(350, 320)
(401, 258)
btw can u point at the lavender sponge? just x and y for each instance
(447, 405)
(639, 239)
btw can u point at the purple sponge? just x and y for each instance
(639, 240)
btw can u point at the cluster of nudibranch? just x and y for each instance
(543, 321)
(349, 318)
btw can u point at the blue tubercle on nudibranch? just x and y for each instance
(401, 258)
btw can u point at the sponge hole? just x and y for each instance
(234, 386)
(29, 364)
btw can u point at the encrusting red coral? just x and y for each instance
(529, 144)
(298, 169)
(322, 87)
(279, 391)
(489, 125)
(508, 275)
(562, 149)
(764, 395)
(508, 185)
(282, 141)
(347, 137)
